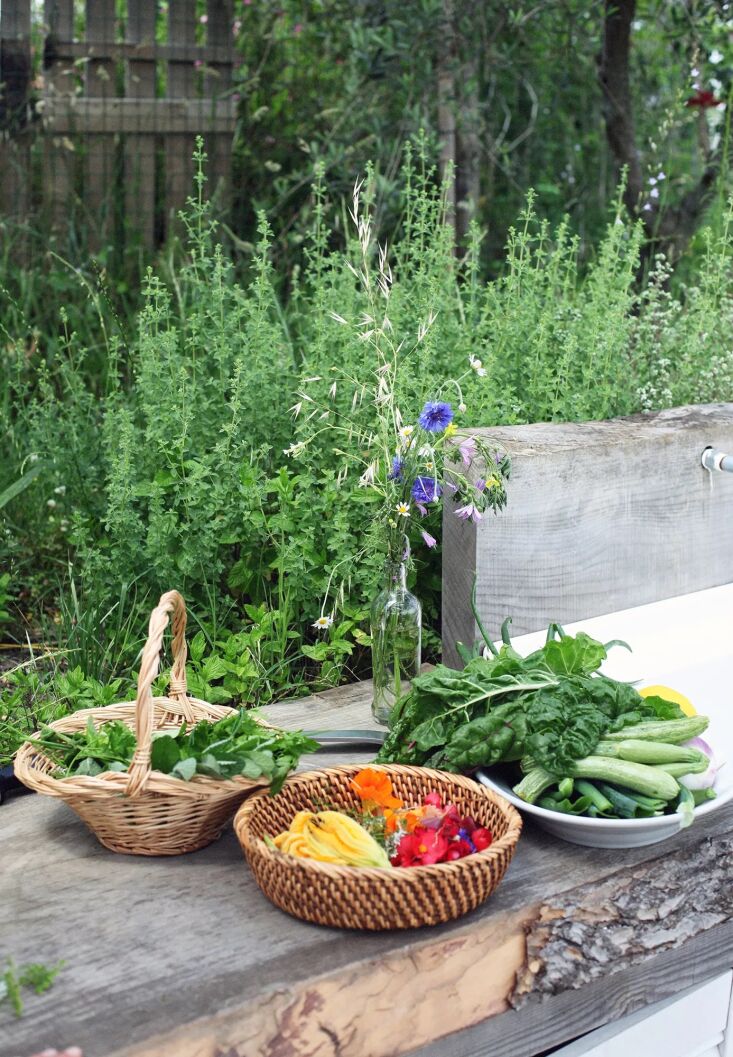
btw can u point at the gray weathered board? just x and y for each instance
(185, 957)
(601, 516)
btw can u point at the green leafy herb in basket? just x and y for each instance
(235, 745)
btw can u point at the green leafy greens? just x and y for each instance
(235, 745)
(552, 705)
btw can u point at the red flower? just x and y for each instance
(421, 848)
(434, 799)
(703, 99)
(459, 849)
(452, 826)
(481, 838)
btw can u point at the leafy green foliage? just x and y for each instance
(551, 706)
(157, 449)
(235, 745)
(34, 696)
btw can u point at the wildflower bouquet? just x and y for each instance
(411, 458)
(384, 831)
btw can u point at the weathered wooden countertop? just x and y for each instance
(185, 957)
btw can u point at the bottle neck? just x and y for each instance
(395, 573)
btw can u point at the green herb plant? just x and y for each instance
(235, 745)
(35, 975)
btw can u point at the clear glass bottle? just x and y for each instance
(396, 625)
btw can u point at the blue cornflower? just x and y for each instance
(396, 474)
(425, 490)
(435, 416)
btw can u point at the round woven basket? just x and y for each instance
(141, 811)
(365, 898)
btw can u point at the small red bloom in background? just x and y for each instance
(703, 99)
(434, 799)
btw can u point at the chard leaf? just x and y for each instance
(574, 655)
(429, 733)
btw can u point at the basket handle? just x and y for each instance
(170, 603)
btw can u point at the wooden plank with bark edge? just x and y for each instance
(188, 959)
(602, 516)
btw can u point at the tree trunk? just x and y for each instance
(669, 230)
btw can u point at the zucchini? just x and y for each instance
(679, 770)
(640, 751)
(674, 731)
(640, 777)
(534, 784)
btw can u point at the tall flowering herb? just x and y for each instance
(414, 456)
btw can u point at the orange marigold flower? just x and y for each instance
(375, 787)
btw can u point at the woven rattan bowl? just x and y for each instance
(140, 811)
(364, 898)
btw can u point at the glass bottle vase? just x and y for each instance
(396, 626)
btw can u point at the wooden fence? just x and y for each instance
(104, 127)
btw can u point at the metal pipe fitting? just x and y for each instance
(717, 460)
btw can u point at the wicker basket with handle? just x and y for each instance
(366, 898)
(141, 811)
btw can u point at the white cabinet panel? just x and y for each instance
(692, 1024)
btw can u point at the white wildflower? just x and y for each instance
(716, 56)
(477, 366)
(403, 509)
(51, 504)
(294, 449)
(369, 474)
(61, 490)
(322, 623)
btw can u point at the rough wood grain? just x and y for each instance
(601, 516)
(186, 957)
(59, 155)
(15, 73)
(99, 150)
(140, 191)
(144, 116)
(217, 85)
(181, 84)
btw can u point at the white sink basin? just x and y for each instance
(685, 643)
